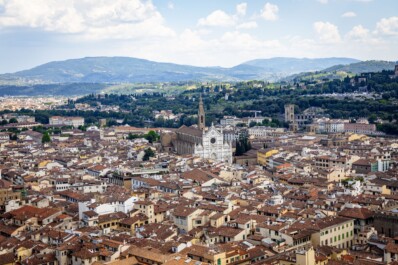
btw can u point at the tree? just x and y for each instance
(46, 138)
(252, 124)
(147, 154)
(372, 118)
(242, 146)
(13, 120)
(132, 136)
(241, 124)
(152, 136)
(239, 149)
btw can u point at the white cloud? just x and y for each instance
(327, 32)
(358, 32)
(323, 1)
(170, 5)
(197, 48)
(243, 41)
(270, 12)
(220, 18)
(364, 35)
(387, 26)
(91, 18)
(241, 9)
(349, 14)
(248, 25)
(217, 18)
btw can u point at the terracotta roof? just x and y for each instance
(198, 175)
(111, 216)
(190, 130)
(7, 258)
(357, 213)
(184, 211)
(134, 219)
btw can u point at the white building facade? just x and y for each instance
(214, 147)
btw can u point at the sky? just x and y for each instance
(195, 32)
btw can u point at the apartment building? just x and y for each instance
(66, 121)
(333, 231)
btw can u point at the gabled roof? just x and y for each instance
(198, 175)
(190, 130)
(357, 213)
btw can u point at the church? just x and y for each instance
(207, 143)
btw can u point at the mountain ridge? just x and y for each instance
(135, 70)
(341, 71)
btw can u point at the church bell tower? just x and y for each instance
(201, 115)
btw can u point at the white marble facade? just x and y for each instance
(213, 146)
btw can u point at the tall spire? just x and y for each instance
(201, 114)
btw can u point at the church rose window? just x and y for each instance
(213, 140)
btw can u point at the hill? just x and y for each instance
(362, 67)
(133, 70)
(288, 66)
(341, 71)
(113, 70)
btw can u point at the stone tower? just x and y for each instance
(289, 113)
(201, 115)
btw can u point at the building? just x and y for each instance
(165, 115)
(66, 121)
(264, 131)
(360, 128)
(207, 143)
(264, 154)
(4, 137)
(234, 134)
(303, 119)
(289, 113)
(25, 118)
(7, 193)
(201, 115)
(325, 125)
(334, 231)
(234, 121)
(327, 162)
(102, 123)
(365, 166)
(185, 218)
(386, 223)
(363, 218)
(230, 120)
